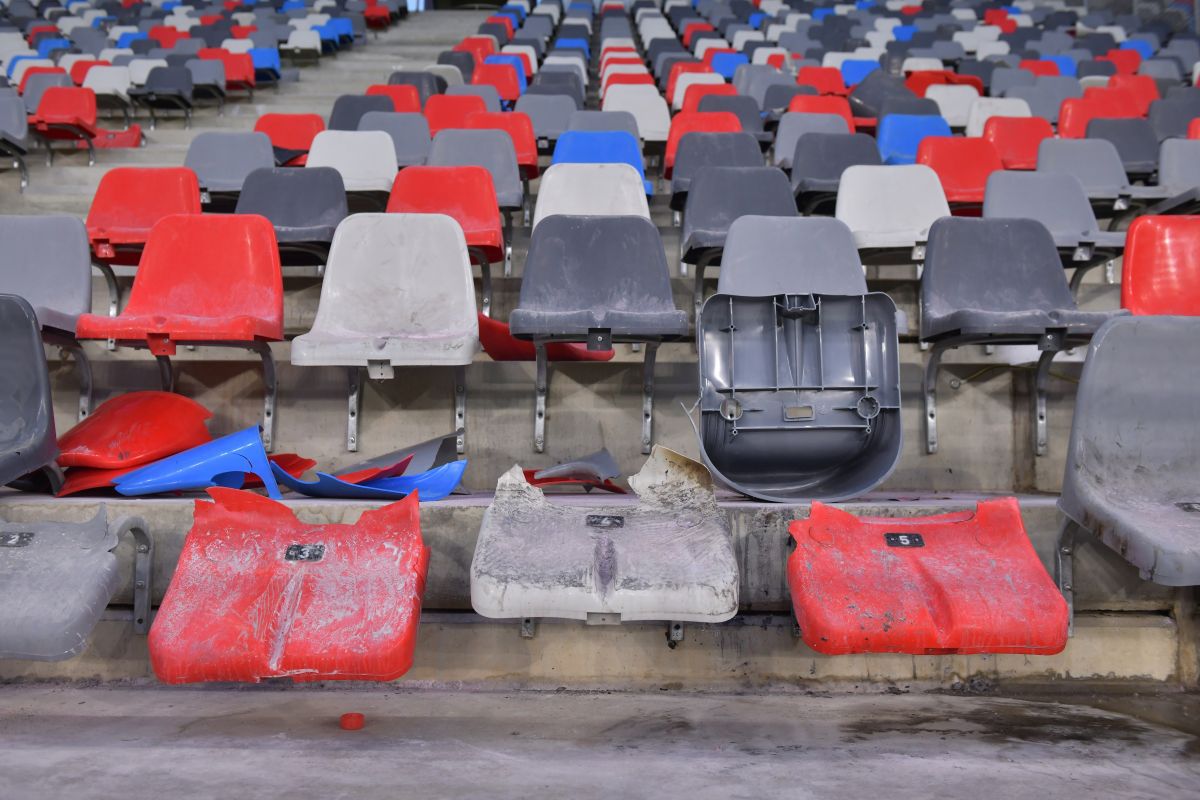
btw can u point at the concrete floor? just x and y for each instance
(266, 742)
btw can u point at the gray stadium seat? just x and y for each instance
(349, 109)
(409, 132)
(27, 441)
(490, 149)
(698, 151)
(819, 161)
(1136, 144)
(223, 159)
(303, 205)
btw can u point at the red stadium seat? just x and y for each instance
(293, 132)
(502, 76)
(1126, 61)
(129, 202)
(405, 98)
(678, 69)
(694, 94)
(1194, 129)
(1075, 113)
(692, 28)
(1161, 272)
(962, 164)
(69, 114)
(692, 122)
(239, 68)
(920, 81)
(825, 104)
(291, 599)
(1016, 139)
(826, 80)
(1142, 88)
(444, 111)
(962, 582)
(242, 31)
(520, 128)
(504, 20)
(480, 46)
(166, 35)
(1039, 67)
(79, 70)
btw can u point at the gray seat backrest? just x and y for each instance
(780, 255)
(490, 149)
(47, 261)
(793, 125)
(207, 72)
(1005, 78)
(1058, 201)
(223, 159)
(719, 195)
(1095, 162)
(27, 440)
(14, 121)
(700, 150)
(1179, 164)
(349, 109)
(409, 132)
(489, 93)
(426, 83)
(1042, 101)
(550, 114)
(1171, 118)
(588, 120)
(819, 159)
(464, 61)
(916, 106)
(589, 272)
(174, 81)
(314, 197)
(36, 86)
(1135, 140)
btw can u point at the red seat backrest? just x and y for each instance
(290, 131)
(1075, 114)
(825, 104)
(405, 98)
(1126, 61)
(517, 125)
(465, 193)
(1194, 129)
(1039, 67)
(67, 104)
(166, 35)
(694, 94)
(210, 265)
(692, 28)
(1016, 139)
(242, 31)
(480, 46)
(1142, 88)
(826, 80)
(698, 121)
(239, 67)
(79, 70)
(679, 69)
(962, 165)
(1161, 271)
(138, 197)
(444, 111)
(502, 19)
(502, 76)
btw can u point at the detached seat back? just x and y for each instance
(27, 441)
(1133, 463)
(304, 206)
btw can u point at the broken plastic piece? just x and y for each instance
(425, 456)
(433, 484)
(259, 594)
(221, 462)
(371, 473)
(134, 429)
(83, 479)
(963, 582)
(667, 557)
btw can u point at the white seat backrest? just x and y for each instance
(648, 107)
(689, 79)
(905, 199)
(240, 46)
(985, 49)
(704, 45)
(108, 80)
(597, 189)
(954, 102)
(139, 69)
(365, 159)
(984, 108)
(917, 64)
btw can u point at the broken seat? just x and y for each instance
(259, 594)
(667, 557)
(961, 582)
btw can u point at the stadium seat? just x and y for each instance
(1171, 118)
(27, 436)
(349, 109)
(208, 81)
(1060, 203)
(204, 279)
(953, 102)
(466, 195)
(409, 132)
(239, 69)
(1136, 143)
(648, 107)
(520, 129)
(405, 99)
(166, 89)
(698, 151)
(1132, 460)
(1097, 165)
(508, 82)
(998, 281)
(492, 150)
(900, 136)
(303, 205)
(808, 104)
(223, 159)
(366, 161)
(1076, 113)
(985, 108)
(890, 209)
(601, 147)
(742, 107)
(425, 83)
(818, 162)
(962, 165)
(591, 190)
(37, 81)
(794, 124)
(291, 135)
(327, 627)
(791, 281)
(1178, 178)
(69, 115)
(1161, 265)
(826, 80)
(576, 569)
(718, 196)
(692, 122)
(1016, 139)
(604, 121)
(15, 140)
(960, 582)
(550, 116)
(379, 262)
(693, 94)
(599, 280)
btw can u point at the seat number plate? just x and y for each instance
(903, 540)
(16, 539)
(605, 521)
(304, 552)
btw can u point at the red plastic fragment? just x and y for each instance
(371, 473)
(963, 582)
(259, 594)
(606, 484)
(134, 429)
(351, 722)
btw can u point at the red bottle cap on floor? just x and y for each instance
(351, 722)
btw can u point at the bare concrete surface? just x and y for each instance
(112, 741)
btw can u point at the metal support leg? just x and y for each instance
(91, 148)
(541, 390)
(508, 238)
(698, 293)
(114, 294)
(153, 118)
(83, 368)
(19, 163)
(143, 572)
(460, 408)
(1077, 278)
(1064, 568)
(648, 397)
(526, 204)
(269, 388)
(1041, 378)
(166, 373)
(485, 280)
(929, 390)
(354, 407)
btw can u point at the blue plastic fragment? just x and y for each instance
(434, 484)
(221, 462)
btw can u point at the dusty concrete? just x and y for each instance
(266, 743)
